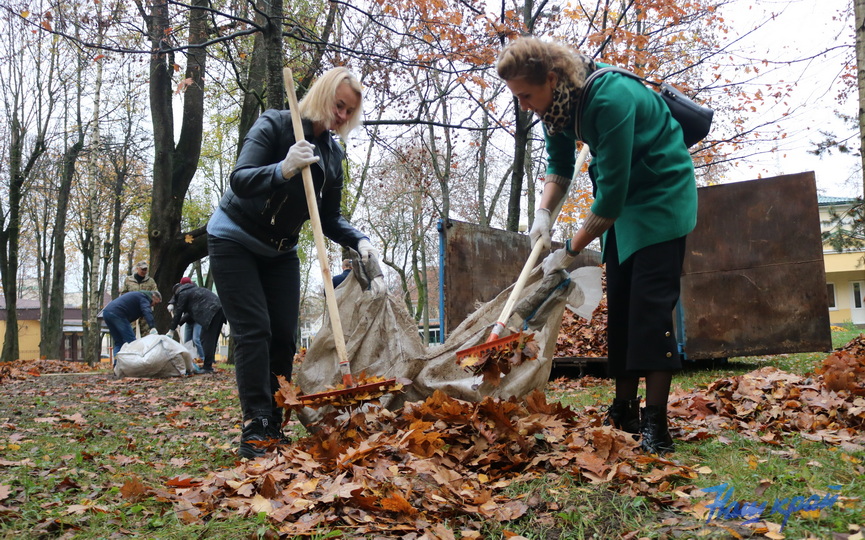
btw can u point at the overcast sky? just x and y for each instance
(803, 28)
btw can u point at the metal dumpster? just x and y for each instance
(753, 280)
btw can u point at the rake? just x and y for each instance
(496, 343)
(348, 382)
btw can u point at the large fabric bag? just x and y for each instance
(382, 340)
(695, 119)
(153, 356)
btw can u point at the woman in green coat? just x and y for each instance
(645, 205)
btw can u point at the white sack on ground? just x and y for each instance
(382, 340)
(154, 356)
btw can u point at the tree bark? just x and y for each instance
(174, 165)
(522, 129)
(52, 319)
(859, 16)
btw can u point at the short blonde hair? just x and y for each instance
(317, 105)
(531, 59)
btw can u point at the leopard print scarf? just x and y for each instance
(561, 114)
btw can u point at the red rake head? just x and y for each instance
(479, 350)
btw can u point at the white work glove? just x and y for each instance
(377, 286)
(364, 247)
(541, 228)
(558, 260)
(301, 154)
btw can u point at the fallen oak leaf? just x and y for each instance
(183, 482)
(134, 490)
(397, 503)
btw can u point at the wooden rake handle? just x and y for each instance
(499, 327)
(318, 235)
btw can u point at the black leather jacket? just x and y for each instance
(274, 209)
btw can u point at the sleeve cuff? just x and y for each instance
(596, 225)
(558, 179)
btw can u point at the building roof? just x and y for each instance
(823, 200)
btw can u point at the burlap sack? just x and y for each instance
(382, 339)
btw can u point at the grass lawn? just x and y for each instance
(87, 456)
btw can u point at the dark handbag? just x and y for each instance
(696, 120)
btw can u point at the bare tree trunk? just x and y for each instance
(174, 165)
(9, 238)
(92, 334)
(859, 16)
(27, 143)
(521, 139)
(52, 320)
(52, 317)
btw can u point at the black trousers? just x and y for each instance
(210, 339)
(642, 292)
(261, 300)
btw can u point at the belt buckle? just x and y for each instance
(283, 245)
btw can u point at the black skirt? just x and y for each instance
(642, 293)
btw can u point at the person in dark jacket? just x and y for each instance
(346, 270)
(121, 312)
(645, 205)
(192, 331)
(197, 305)
(253, 234)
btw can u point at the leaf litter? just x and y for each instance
(448, 461)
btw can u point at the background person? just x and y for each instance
(191, 330)
(645, 205)
(199, 306)
(346, 270)
(138, 280)
(252, 240)
(120, 313)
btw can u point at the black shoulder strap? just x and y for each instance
(588, 84)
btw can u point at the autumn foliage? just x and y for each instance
(441, 460)
(844, 369)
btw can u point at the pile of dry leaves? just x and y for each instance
(581, 338)
(441, 460)
(23, 369)
(767, 402)
(450, 461)
(844, 369)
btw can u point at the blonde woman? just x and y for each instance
(645, 205)
(252, 240)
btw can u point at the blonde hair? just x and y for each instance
(532, 59)
(317, 105)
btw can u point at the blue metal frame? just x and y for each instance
(441, 229)
(680, 329)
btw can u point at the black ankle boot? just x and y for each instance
(653, 428)
(624, 414)
(274, 429)
(254, 438)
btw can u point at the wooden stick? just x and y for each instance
(499, 327)
(318, 235)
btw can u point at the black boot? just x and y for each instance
(255, 437)
(653, 428)
(274, 428)
(624, 414)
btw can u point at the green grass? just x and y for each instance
(74, 477)
(758, 472)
